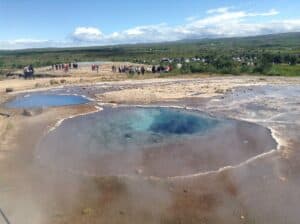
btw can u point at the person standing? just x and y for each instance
(143, 70)
(154, 70)
(138, 70)
(66, 69)
(31, 71)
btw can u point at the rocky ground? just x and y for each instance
(264, 189)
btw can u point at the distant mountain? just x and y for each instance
(282, 39)
(271, 40)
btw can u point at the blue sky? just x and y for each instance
(59, 23)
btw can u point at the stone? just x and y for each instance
(87, 211)
(27, 113)
(53, 82)
(8, 90)
(139, 171)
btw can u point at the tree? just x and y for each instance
(185, 68)
(290, 59)
(277, 59)
(265, 63)
(197, 67)
(223, 64)
(1, 63)
(293, 60)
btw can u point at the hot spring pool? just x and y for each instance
(37, 100)
(151, 141)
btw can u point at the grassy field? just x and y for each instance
(219, 54)
(285, 70)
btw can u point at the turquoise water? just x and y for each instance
(37, 100)
(130, 128)
(160, 141)
(169, 121)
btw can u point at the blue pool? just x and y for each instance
(131, 128)
(37, 100)
(158, 141)
(164, 121)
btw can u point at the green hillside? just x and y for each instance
(268, 54)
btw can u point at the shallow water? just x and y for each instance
(37, 100)
(132, 128)
(160, 142)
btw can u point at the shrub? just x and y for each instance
(53, 82)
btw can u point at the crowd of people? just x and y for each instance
(65, 67)
(160, 68)
(95, 67)
(28, 72)
(141, 69)
(129, 69)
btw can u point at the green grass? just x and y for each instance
(285, 70)
(218, 51)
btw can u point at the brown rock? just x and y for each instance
(8, 90)
(27, 113)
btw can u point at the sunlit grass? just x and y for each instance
(285, 70)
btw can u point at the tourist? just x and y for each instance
(28, 71)
(153, 69)
(25, 71)
(138, 69)
(66, 67)
(168, 68)
(31, 69)
(113, 68)
(143, 70)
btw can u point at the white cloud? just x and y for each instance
(27, 41)
(191, 18)
(150, 33)
(220, 22)
(87, 34)
(271, 12)
(218, 10)
(23, 43)
(32, 43)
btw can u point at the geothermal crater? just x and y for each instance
(160, 142)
